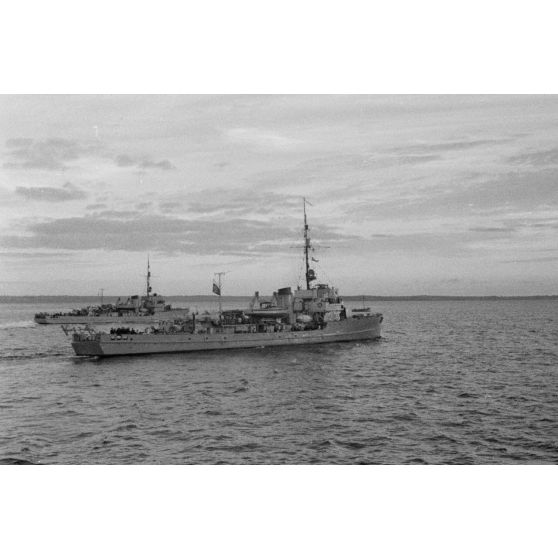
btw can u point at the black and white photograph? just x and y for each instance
(279, 279)
(333, 290)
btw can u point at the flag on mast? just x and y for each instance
(216, 289)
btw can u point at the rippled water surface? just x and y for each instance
(450, 382)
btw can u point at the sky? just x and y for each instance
(410, 195)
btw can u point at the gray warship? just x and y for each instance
(148, 309)
(315, 314)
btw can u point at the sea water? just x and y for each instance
(450, 382)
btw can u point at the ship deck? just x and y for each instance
(104, 344)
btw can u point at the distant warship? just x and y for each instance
(148, 309)
(315, 314)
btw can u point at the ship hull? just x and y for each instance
(104, 345)
(115, 319)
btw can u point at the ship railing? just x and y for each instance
(80, 332)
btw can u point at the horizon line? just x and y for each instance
(366, 296)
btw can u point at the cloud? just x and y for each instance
(125, 160)
(241, 202)
(262, 139)
(14, 143)
(411, 159)
(48, 154)
(513, 190)
(461, 197)
(134, 232)
(446, 244)
(164, 164)
(94, 206)
(25, 255)
(117, 214)
(170, 206)
(530, 222)
(348, 168)
(449, 145)
(533, 260)
(544, 157)
(56, 153)
(67, 192)
(492, 229)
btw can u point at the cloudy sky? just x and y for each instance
(410, 194)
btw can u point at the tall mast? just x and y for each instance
(148, 276)
(307, 247)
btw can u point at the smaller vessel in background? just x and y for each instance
(136, 309)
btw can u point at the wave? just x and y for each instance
(32, 355)
(18, 325)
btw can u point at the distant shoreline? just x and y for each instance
(178, 298)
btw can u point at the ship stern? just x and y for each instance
(86, 345)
